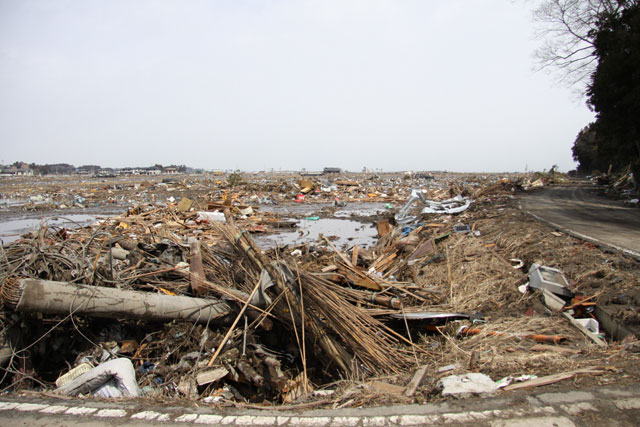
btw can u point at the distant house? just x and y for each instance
(22, 169)
(87, 169)
(132, 171)
(331, 170)
(171, 170)
(105, 173)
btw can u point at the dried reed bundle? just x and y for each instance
(363, 334)
(325, 311)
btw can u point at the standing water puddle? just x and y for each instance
(348, 233)
(11, 230)
(358, 209)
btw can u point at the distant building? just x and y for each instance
(331, 170)
(22, 169)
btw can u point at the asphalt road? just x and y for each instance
(582, 211)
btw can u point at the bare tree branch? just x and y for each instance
(567, 28)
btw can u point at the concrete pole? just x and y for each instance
(44, 296)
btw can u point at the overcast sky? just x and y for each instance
(254, 85)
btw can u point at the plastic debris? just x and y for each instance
(455, 205)
(115, 378)
(542, 277)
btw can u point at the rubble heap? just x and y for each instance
(178, 302)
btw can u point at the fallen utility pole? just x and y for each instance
(45, 296)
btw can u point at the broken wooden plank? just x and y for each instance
(382, 262)
(354, 255)
(211, 376)
(593, 337)
(386, 263)
(359, 278)
(385, 388)
(340, 254)
(196, 270)
(415, 382)
(184, 205)
(384, 227)
(551, 379)
(556, 348)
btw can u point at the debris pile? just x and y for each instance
(460, 294)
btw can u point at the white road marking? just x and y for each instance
(189, 418)
(413, 420)
(627, 403)
(244, 420)
(310, 421)
(262, 420)
(578, 408)
(345, 421)
(4, 406)
(54, 409)
(26, 407)
(374, 421)
(209, 419)
(147, 415)
(535, 421)
(104, 413)
(282, 420)
(80, 410)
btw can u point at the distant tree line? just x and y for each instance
(53, 169)
(596, 43)
(613, 140)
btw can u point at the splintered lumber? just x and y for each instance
(551, 379)
(384, 227)
(329, 268)
(196, 271)
(354, 275)
(358, 278)
(212, 375)
(49, 297)
(417, 379)
(354, 255)
(385, 388)
(593, 337)
(383, 262)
